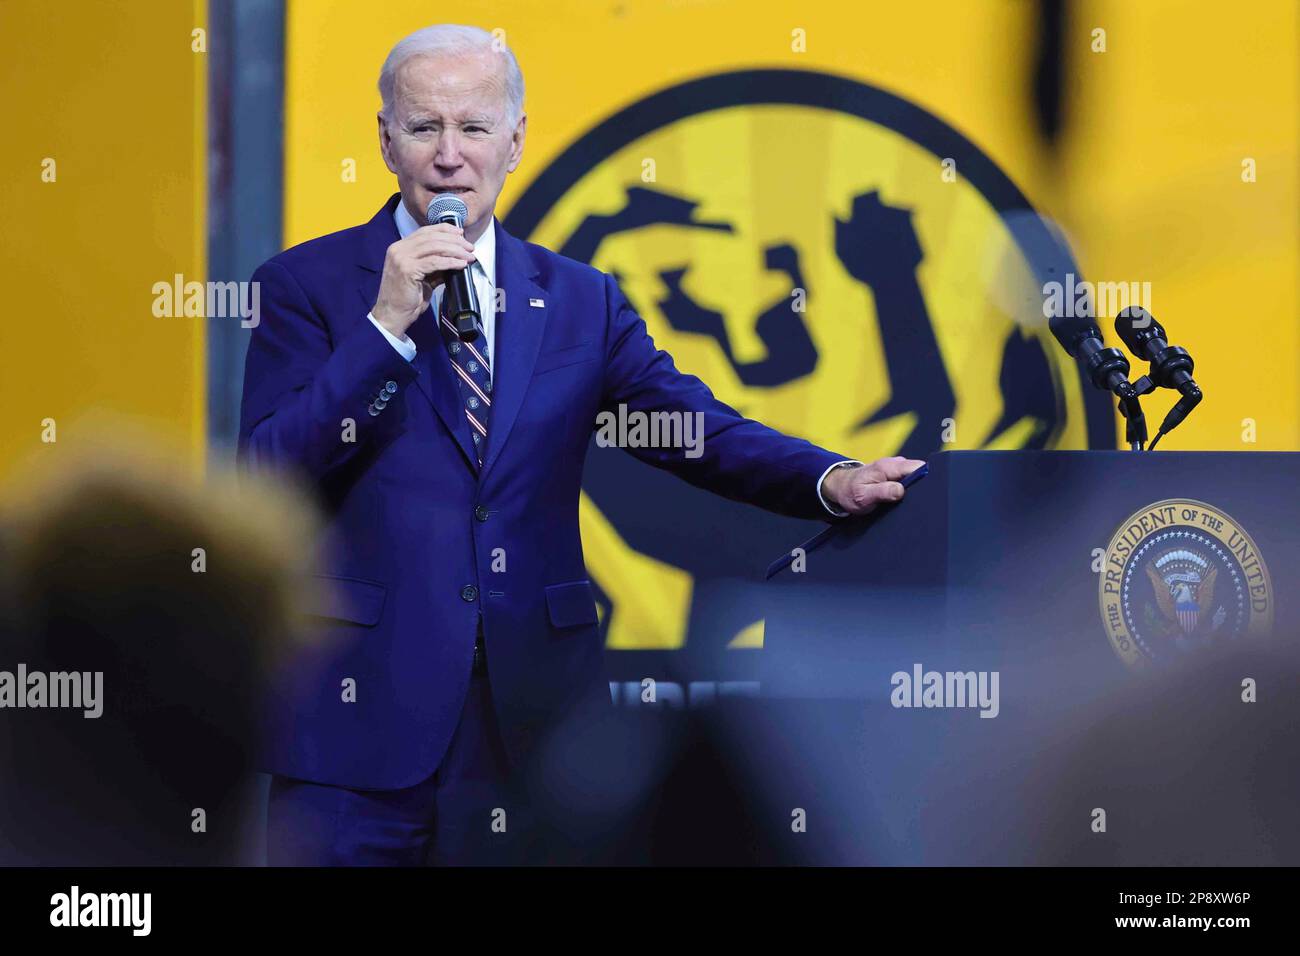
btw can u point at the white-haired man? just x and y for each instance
(460, 625)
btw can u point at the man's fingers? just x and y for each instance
(444, 260)
(892, 469)
(429, 265)
(438, 228)
(437, 247)
(865, 496)
(885, 491)
(439, 235)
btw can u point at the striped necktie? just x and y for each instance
(473, 378)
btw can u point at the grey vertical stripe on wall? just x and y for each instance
(245, 181)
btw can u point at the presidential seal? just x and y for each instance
(1181, 575)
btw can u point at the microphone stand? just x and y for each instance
(1192, 396)
(1108, 368)
(1171, 366)
(1130, 406)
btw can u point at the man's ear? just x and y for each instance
(517, 143)
(385, 143)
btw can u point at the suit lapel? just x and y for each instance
(519, 331)
(436, 379)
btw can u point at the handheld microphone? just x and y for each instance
(460, 299)
(1171, 366)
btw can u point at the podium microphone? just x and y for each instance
(1107, 369)
(459, 296)
(1171, 366)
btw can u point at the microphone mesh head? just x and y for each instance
(447, 204)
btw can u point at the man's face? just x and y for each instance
(450, 132)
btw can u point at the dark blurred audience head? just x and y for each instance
(151, 603)
(1187, 768)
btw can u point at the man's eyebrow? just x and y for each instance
(415, 119)
(421, 117)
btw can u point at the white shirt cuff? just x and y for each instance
(821, 498)
(405, 347)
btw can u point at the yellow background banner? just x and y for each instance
(1147, 184)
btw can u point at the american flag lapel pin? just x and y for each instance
(536, 303)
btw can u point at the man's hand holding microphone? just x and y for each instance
(413, 268)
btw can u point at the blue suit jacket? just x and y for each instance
(414, 525)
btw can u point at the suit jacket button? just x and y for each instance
(481, 513)
(469, 593)
(390, 387)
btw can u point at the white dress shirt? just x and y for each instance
(484, 273)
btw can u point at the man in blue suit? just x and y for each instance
(457, 621)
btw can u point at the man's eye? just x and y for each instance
(474, 129)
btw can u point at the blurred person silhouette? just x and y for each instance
(1187, 772)
(180, 593)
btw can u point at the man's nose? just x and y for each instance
(448, 153)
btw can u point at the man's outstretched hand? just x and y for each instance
(860, 490)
